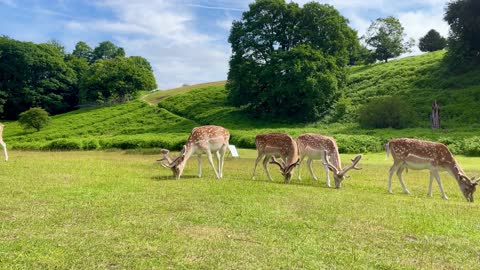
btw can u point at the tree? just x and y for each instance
(386, 37)
(82, 50)
(57, 45)
(35, 118)
(33, 75)
(288, 62)
(432, 41)
(117, 79)
(107, 50)
(463, 16)
(387, 112)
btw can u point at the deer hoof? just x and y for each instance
(445, 197)
(407, 192)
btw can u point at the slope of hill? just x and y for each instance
(418, 79)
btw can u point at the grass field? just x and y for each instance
(117, 210)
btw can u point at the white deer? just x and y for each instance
(204, 139)
(277, 144)
(432, 156)
(4, 145)
(319, 147)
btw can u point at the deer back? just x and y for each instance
(439, 153)
(311, 144)
(277, 144)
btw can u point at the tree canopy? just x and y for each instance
(386, 37)
(463, 16)
(46, 76)
(432, 41)
(288, 62)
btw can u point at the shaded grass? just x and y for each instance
(111, 210)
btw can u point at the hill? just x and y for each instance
(136, 124)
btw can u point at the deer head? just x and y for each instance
(468, 186)
(176, 164)
(340, 174)
(285, 170)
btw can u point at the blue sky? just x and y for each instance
(184, 40)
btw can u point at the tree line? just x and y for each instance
(45, 75)
(289, 62)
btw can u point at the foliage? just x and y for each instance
(463, 16)
(34, 75)
(83, 51)
(117, 79)
(386, 112)
(291, 44)
(35, 118)
(105, 50)
(432, 41)
(386, 37)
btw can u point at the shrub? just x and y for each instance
(34, 118)
(387, 112)
(62, 144)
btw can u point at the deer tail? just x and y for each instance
(387, 148)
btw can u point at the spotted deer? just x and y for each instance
(316, 147)
(424, 155)
(204, 139)
(4, 145)
(273, 145)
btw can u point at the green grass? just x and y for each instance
(155, 97)
(112, 210)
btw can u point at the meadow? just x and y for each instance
(121, 210)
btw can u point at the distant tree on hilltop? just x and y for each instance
(432, 41)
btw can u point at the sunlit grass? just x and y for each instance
(88, 210)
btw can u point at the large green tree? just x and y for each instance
(117, 79)
(288, 62)
(82, 50)
(463, 16)
(33, 75)
(387, 38)
(432, 41)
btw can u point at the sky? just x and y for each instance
(186, 41)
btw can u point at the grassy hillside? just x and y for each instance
(418, 79)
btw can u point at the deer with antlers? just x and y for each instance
(419, 155)
(273, 145)
(4, 145)
(204, 139)
(319, 147)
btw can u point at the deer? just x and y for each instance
(202, 140)
(425, 155)
(4, 145)
(319, 147)
(273, 145)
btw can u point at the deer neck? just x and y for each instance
(455, 170)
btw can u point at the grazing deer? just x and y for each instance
(432, 156)
(315, 146)
(204, 139)
(280, 145)
(4, 145)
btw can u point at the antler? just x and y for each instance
(325, 162)
(274, 161)
(172, 162)
(353, 166)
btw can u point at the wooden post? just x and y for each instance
(435, 116)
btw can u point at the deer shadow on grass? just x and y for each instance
(172, 178)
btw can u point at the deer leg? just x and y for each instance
(430, 185)
(259, 157)
(390, 174)
(4, 149)
(437, 177)
(301, 160)
(265, 162)
(309, 164)
(223, 150)
(209, 156)
(399, 174)
(218, 163)
(199, 157)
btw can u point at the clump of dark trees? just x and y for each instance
(44, 75)
(289, 62)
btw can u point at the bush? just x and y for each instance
(34, 118)
(387, 112)
(62, 144)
